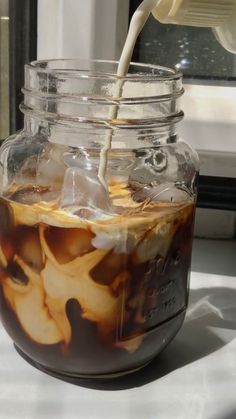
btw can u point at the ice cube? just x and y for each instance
(166, 192)
(40, 177)
(32, 194)
(51, 166)
(27, 172)
(84, 195)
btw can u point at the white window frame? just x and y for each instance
(82, 28)
(97, 29)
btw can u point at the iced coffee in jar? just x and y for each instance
(95, 263)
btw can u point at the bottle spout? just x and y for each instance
(226, 34)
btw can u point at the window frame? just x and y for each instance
(22, 49)
(70, 19)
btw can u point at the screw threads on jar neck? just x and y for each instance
(69, 99)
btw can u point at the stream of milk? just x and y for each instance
(137, 23)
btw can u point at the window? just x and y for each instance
(97, 29)
(194, 50)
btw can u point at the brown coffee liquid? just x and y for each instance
(90, 298)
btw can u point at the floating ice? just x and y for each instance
(84, 195)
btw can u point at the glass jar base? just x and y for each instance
(73, 377)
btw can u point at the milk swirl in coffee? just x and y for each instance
(71, 286)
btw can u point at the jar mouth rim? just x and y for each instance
(146, 72)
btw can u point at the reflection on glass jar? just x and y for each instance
(94, 282)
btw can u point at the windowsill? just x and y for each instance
(215, 257)
(194, 377)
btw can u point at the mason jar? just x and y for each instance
(97, 207)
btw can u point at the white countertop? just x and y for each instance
(194, 378)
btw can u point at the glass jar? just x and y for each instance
(95, 275)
